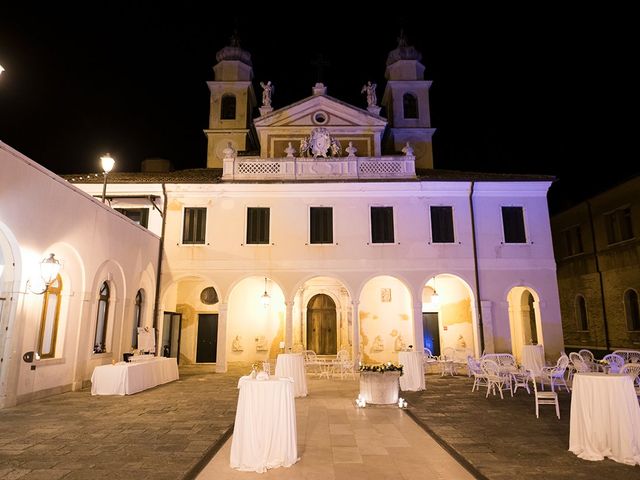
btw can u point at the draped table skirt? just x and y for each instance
(379, 388)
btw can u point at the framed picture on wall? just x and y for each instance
(385, 294)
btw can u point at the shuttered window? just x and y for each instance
(382, 225)
(257, 226)
(193, 230)
(442, 224)
(321, 225)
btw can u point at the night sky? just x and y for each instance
(536, 91)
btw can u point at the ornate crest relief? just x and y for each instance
(320, 144)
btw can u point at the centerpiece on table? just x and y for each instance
(381, 367)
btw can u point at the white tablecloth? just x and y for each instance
(379, 388)
(128, 378)
(605, 418)
(533, 358)
(412, 372)
(264, 434)
(292, 365)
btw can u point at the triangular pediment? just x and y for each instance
(319, 110)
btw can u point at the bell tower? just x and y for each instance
(406, 98)
(232, 101)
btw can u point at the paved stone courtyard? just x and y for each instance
(172, 431)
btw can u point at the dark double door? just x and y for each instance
(207, 347)
(322, 334)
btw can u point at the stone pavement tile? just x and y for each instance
(13, 473)
(518, 445)
(342, 440)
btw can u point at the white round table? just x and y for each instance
(605, 418)
(292, 365)
(533, 358)
(412, 378)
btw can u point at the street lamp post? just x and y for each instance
(107, 165)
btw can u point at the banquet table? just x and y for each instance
(533, 358)
(605, 418)
(264, 433)
(292, 365)
(379, 388)
(412, 371)
(128, 378)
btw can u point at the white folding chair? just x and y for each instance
(545, 398)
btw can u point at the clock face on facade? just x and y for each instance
(209, 296)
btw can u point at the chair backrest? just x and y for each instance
(579, 363)
(586, 355)
(266, 367)
(343, 355)
(448, 354)
(490, 368)
(615, 362)
(630, 356)
(631, 369)
(309, 356)
(502, 359)
(473, 365)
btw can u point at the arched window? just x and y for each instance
(100, 341)
(228, 107)
(49, 319)
(137, 318)
(581, 313)
(410, 105)
(632, 309)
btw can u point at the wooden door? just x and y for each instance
(322, 332)
(207, 338)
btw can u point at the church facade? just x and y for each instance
(323, 226)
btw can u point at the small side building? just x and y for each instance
(597, 249)
(52, 336)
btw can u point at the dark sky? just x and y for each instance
(537, 91)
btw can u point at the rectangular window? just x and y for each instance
(321, 225)
(573, 241)
(618, 225)
(382, 225)
(513, 225)
(442, 224)
(193, 230)
(257, 226)
(138, 215)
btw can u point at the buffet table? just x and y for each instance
(264, 433)
(292, 365)
(128, 378)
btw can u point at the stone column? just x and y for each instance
(487, 325)
(356, 331)
(288, 324)
(221, 353)
(418, 327)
